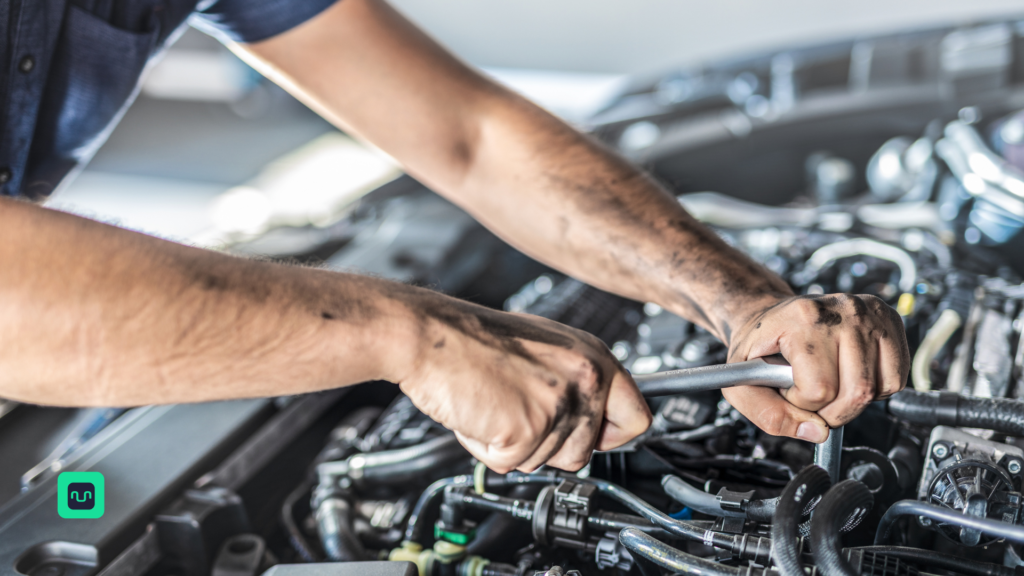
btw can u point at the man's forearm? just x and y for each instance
(579, 207)
(528, 176)
(95, 315)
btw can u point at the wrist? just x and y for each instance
(727, 315)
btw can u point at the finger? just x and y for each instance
(626, 413)
(500, 457)
(551, 445)
(815, 371)
(479, 451)
(770, 412)
(858, 367)
(579, 446)
(891, 378)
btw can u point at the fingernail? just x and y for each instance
(811, 432)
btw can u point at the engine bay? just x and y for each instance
(890, 166)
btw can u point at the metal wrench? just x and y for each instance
(771, 371)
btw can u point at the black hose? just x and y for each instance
(1005, 415)
(996, 528)
(295, 536)
(809, 484)
(334, 522)
(762, 510)
(696, 500)
(666, 556)
(499, 569)
(944, 561)
(521, 509)
(402, 466)
(847, 502)
(414, 528)
(906, 456)
(705, 503)
(498, 533)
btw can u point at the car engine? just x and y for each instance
(890, 166)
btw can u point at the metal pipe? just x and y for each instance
(770, 371)
(829, 453)
(1005, 530)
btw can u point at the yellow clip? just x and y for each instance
(905, 305)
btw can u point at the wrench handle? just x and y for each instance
(770, 371)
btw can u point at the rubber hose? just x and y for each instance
(659, 518)
(762, 510)
(810, 483)
(407, 465)
(947, 323)
(295, 536)
(988, 526)
(944, 561)
(414, 528)
(906, 456)
(493, 535)
(1004, 415)
(697, 500)
(334, 522)
(498, 569)
(671, 558)
(848, 501)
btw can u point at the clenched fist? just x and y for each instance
(846, 352)
(519, 391)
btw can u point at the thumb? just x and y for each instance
(626, 413)
(770, 412)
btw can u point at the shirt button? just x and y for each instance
(27, 64)
(5, 175)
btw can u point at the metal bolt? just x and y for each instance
(940, 451)
(1013, 466)
(924, 520)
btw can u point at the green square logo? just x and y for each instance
(80, 495)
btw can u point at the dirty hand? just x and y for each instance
(846, 351)
(518, 390)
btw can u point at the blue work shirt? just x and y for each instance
(73, 67)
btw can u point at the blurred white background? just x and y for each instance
(620, 36)
(203, 148)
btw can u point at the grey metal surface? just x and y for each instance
(829, 453)
(157, 452)
(344, 569)
(772, 372)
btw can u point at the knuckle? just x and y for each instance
(863, 395)
(819, 394)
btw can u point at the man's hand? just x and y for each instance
(846, 352)
(575, 205)
(519, 391)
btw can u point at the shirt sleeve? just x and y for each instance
(254, 20)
